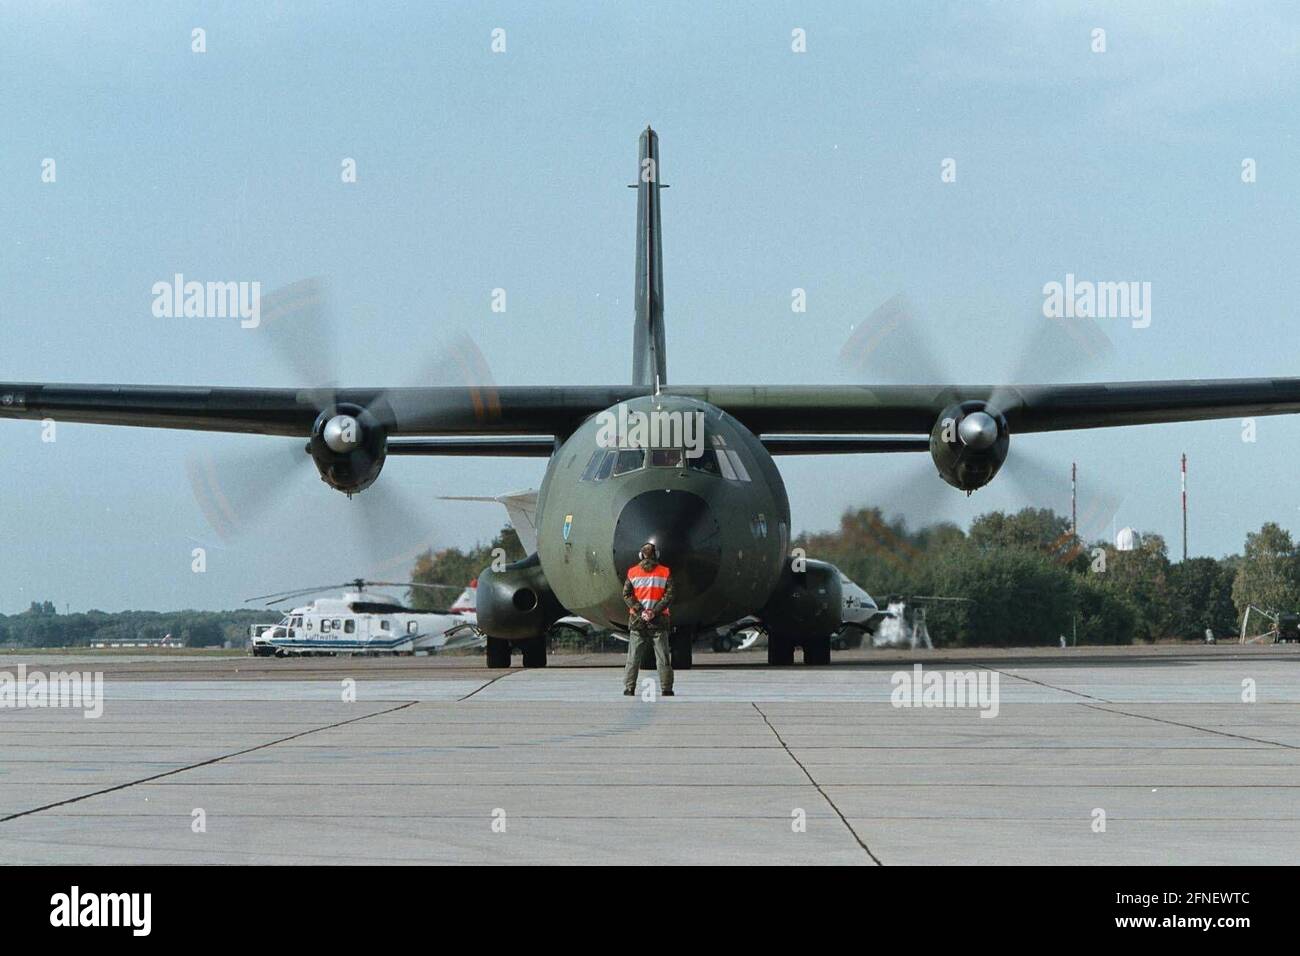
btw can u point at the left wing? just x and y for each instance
(472, 410)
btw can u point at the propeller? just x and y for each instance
(893, 347)
(241, 490)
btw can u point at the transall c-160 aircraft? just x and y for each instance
(717, 511)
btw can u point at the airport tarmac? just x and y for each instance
(440, 760)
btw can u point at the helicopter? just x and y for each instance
(362, 622)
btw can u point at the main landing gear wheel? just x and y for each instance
(847, 637)
(817, 650)
(780, 650)
(498, 652)
(534, 651)
(680, 645)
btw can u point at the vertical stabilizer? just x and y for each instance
(649, 366)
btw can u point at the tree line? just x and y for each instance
(1028, 580)
(42, 626)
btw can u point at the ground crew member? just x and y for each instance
(648, 594)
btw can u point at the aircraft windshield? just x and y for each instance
(706, 462)
(666, 458)
(630, 460)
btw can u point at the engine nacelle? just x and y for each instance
(969, 443)
(348, 445)
(516, 603)
(807, 602)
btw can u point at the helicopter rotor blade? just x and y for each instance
(296, 592)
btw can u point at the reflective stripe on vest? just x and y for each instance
(648, 586)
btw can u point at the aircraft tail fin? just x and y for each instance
(521, 508)
(649, 365)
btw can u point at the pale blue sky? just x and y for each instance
(478, 170)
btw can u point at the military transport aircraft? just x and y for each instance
(717, 509)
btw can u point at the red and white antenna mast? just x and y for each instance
(1184, 482)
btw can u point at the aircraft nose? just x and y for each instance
(683, 529)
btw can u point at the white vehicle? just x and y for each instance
(362, 622)
(903, 622)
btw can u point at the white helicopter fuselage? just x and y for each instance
(366, 623)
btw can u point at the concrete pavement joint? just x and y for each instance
(1207, 730)
(1030, 680)
(201, 763)
(486, 684)
(825, 796)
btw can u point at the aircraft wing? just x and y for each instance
(510, 419)
(480, 410)
(913, 409)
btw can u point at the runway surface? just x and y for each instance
(439, 760)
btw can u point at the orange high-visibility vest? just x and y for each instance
(648, 586)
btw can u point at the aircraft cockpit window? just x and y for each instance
(596, 458)
(666, 458)
(606, 464)
(724, 465)
(349, 626)
(706, 462)
(296, 622)
(731, 466)
(741, 471)
(630, 460)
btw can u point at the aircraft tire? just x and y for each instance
(850, 636)
(817, 650)
(780, 650)
(534, 651)
(498, 652)
(680, 645)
